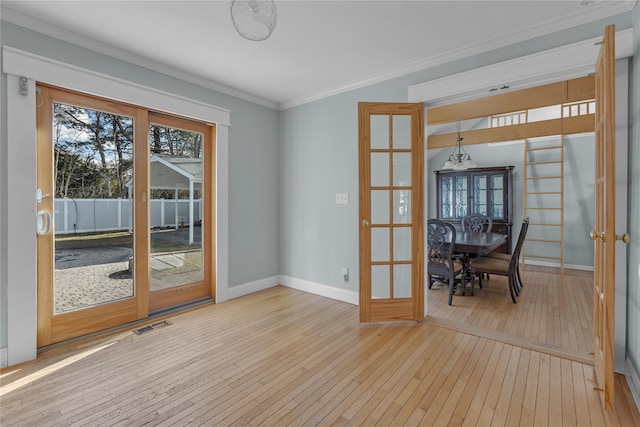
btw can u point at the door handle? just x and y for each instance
(624, 238)
(40, 196)
(595, 235)
(364, 223)
(43, 222)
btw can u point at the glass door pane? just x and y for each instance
(446, 196)
(496, 199)
(93, 179)
(480, 194)
(461, 196)
(176, 207)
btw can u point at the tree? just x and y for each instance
(93, 152)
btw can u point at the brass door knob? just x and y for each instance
(595, 235)
(625, 238)
(364, 223)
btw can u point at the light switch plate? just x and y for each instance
(342, 198)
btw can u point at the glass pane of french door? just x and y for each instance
(92, 219)
(176, 207)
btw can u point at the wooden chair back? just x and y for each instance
(477, 223)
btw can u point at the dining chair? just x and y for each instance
(441, 237)
(476, 223)
(501, 267)
(507, 257)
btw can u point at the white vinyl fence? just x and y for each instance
(91, 215)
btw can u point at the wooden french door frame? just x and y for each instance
(391, 307)
(603, 235)
(51, 327)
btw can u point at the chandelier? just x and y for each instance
(459, 159)
(254, 19)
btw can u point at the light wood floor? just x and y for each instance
(553, 312)
(283, 357)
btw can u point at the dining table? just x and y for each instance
(472, 243)
(468, 242)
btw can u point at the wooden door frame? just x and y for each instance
(392, 309)
(51, 327)
(168, 297)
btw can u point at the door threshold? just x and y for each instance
(510, 339)
(154, 317)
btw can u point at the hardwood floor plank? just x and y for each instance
(529, 398)
(429, 396)
(555, 392)
(468, 379)
(568, 397)
(440, 409)
(580, 395)
(542, 388)
(516, 405)
(386, 409)
(551, 309)
(475, 409)
(401, 373)
(285, 357)
(471, 386)
(595, 411)
(426, 374)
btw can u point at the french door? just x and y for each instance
(391, 161)
(119, 235)
(603, 235)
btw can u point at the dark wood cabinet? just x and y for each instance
(488, 191)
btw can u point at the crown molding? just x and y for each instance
(123, 55)
(48, 70)
(590, 14)
(565, 62)
(559, 24)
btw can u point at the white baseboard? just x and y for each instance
(343, 295)
(251, 287)
(557, 265)
(634, 382)
(4, 360)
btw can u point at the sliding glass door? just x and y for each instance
(124, 207)
(180, 178)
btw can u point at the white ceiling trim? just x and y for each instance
(474, 49)
(613, 8)
(58, 73)
(574, 60)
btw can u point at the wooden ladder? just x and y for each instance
(544, 200)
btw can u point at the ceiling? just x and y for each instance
(318, 48)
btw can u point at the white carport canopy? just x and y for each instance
(176, 173)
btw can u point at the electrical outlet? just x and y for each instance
(342, 198)
(345, 273)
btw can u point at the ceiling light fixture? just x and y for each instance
(254, 19)
(459, 159)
